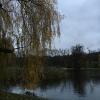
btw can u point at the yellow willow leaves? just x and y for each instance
(38, 18)
(34, 24)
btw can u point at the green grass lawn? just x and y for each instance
(10, 96)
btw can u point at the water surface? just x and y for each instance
(78, 85)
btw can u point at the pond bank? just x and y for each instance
(10, 96)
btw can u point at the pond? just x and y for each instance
(78, 85)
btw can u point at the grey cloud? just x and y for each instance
(81, 23)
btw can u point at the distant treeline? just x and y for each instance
(74, 58)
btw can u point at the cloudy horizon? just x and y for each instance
(81, 24)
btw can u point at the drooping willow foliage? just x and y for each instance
(31, 24)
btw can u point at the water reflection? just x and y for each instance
(79, 80)
(77, 84)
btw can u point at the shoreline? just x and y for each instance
(12, 96)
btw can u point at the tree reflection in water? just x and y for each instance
(79, 81)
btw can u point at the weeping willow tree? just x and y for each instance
(32, 25)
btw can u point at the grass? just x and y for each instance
(10, 96)
(9, 76)
(7, 73)
(53, 77)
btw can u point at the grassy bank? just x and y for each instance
(55, 73)
(9, 76)
(9, 96)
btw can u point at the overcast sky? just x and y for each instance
(81, 23)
